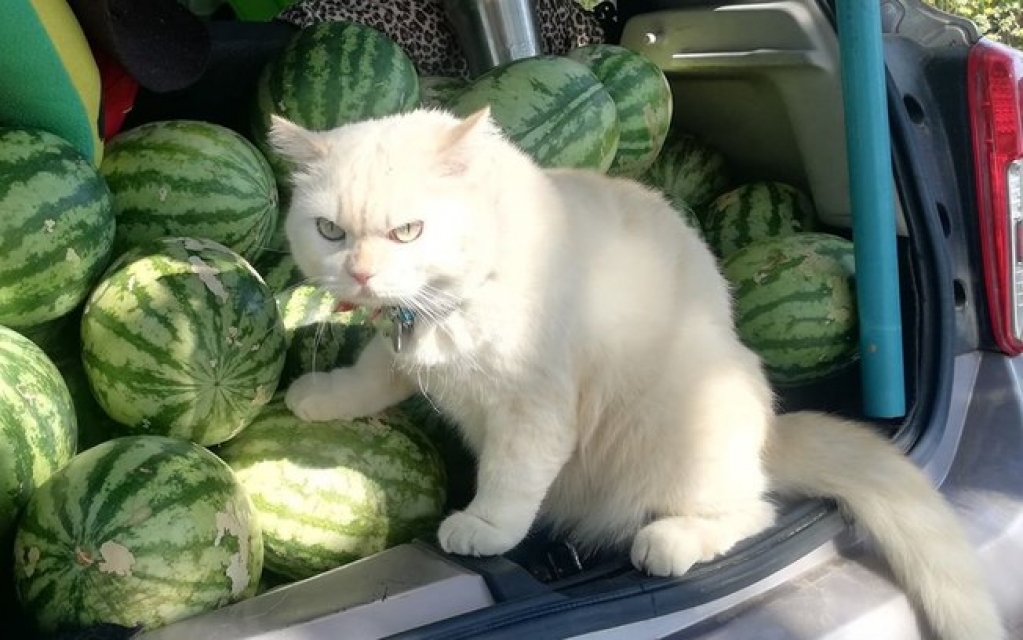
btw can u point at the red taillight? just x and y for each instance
(995, 101)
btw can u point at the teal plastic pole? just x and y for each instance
(873, 209)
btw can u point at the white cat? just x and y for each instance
(581, 336)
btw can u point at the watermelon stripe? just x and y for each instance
(107, 490)
(642, 99)
(38, 430)
(57, 229)
(175, 143)
(786, 300)
(166, 353)
(179, 552)
(69, 529)
(193, 492)
(569, 119)
(795, 304)
(753, 212)
(340, 491)
(309, 520)
(190, 178)
(333, 73)
(73, 204)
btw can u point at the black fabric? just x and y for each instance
(99, 632)
(160, 43)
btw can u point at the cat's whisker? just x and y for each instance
(317, 340)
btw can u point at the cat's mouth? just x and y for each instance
(432, 300)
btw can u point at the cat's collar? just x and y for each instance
(403, 323)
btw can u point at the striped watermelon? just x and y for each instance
(279, 270)
(319, 338)
(276, 264)
(330, 74)
(642, 98)
(94, 425)
(141, 530)
(459, 462)
(552, 107)
(38, 431)
(56, 227)
(754, 211)
(437, 91)
(332, 492)
(795, 304)
(190, 178)
(182, 338)
(689, 171)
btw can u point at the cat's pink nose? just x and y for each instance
(362, 277)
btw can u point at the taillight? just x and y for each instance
(995, 100)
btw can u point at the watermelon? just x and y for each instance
(190, 178)
(94, 425)
(795, 304)
(319, 338)
(436, 91)
(753, 211)
(328, 493)
(276, 264)
(182, 338)
(642, 99)
(688, 171)
(459, 462)
(38, 432)
(278, 270)
(60, 340)
(57, 227)
(140, 530)
(552, 107)
(330, 74)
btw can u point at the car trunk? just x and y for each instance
(761, 82)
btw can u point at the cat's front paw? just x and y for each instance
(317, 397)
(465, 534)
(308, 397)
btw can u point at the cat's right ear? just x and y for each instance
(294, 142)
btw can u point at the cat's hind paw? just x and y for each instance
(664, 548)
(464, 534)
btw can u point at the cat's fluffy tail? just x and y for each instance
(812, 454)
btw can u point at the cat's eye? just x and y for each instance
(406, 232)
(330, 230)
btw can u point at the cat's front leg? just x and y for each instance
(369, 386)
(522, 452)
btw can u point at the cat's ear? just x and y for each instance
(457, 153)
(476, 123)
(294, 142)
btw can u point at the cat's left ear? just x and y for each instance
(294, 142)
(477, 123)
(456, 154)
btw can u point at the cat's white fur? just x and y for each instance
(581, 335)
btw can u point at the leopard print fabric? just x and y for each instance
(423, 32)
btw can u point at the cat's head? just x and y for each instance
(387, 211)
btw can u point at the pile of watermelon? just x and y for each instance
(151, 316)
